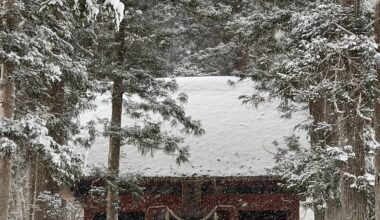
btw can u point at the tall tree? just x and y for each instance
(7, 104)
(47, 49)
(115, 139)
(297, 54)
(130, 68)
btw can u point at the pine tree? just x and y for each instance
(130, 68)
(46, 48)
(298, 53)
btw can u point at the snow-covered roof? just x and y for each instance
(238, 139)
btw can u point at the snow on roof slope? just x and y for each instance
(238, 138)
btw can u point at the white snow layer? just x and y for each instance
(238, 139)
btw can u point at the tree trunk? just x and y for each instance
(40, 186)
(316, 110)
(5, 163)
(333, 211)
(42, 177)
(7, 108)
(354, 202)
(377, 118)
(5, 170)
(115, 139)
(323, 111)
(319, 214)
(114, 152)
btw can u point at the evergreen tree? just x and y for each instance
(130, 68)
(51, 89)
(304, 55)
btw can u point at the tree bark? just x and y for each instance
(5, 163)
(316, 110)
(323, 111)
(354, 202)
(7, 109)
(115, 139)
(5, 168)
(377, 118)
(40, 186)
(114, 152)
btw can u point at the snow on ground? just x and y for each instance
(238, 139)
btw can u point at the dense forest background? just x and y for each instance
(56, 56)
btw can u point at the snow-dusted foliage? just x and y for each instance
(30, 134)
(322, 54)
(41, 49)
(314, 172)
(45, 46)
(146, 52)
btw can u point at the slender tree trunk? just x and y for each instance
(115, 140)
(377, 118)
(32, 187)
(317, 112)
(40, 186)
(114, 152)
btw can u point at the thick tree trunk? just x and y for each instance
(115, 140)
(5, 163)
(377, 118)
(323, 111)
(7, 108)
(354, 202)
